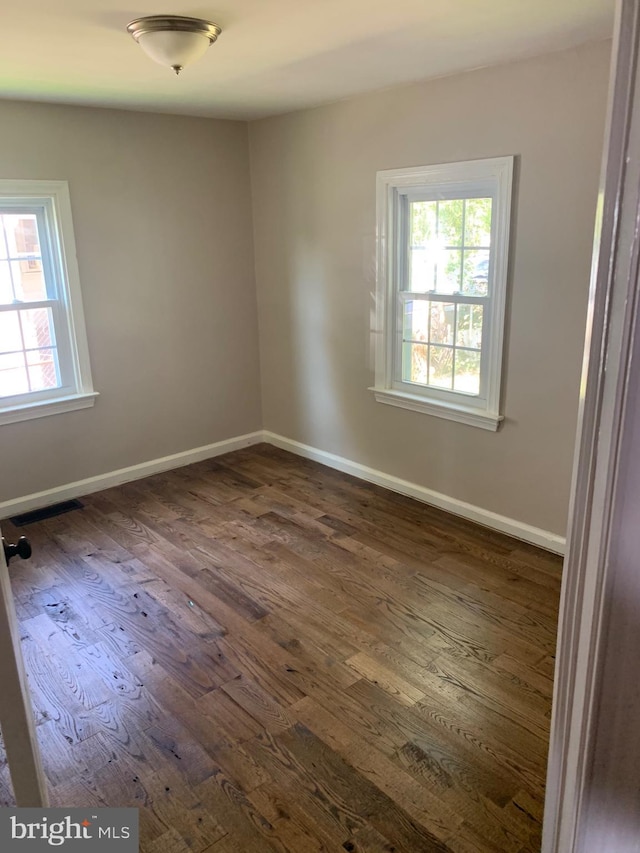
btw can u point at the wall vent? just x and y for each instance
(45, 512)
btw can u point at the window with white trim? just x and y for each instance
(44, 359)
(443, 240)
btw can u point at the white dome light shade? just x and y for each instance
(174, 49)
(174, 41)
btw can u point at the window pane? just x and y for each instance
(422, 268)
(423, 245)
(467, 372)
(441, 367)
(450, 214)
(13, 375)
(442, 314)
(10, 338)
(416, 321)
(449, 271)
(476, 272)
(37, 328)
(414, 363)
(28, 280)
(6, 290)
(43, 371)
(424, 222)
(469, 326)
(477, 224)
(20, 243)
(21, 233)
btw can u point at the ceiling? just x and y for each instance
(274, 56)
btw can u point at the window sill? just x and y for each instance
(43, 408)
(449, 411)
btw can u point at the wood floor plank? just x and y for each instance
(365, 755)
(337, 791)
(247, 828)
(264, 654)
(401, 691)
(295, 826)
(257, 702)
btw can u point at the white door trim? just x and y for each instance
(16, 715)
(589, 569)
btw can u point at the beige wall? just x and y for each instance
(313, 183)
(162, 216)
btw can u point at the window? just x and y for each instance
(44, 361)
(443, 236)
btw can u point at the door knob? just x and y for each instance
(21, 549)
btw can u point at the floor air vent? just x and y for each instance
(47, 512)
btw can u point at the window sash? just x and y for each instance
(404, 248)
(28, 305)
(43, 212)
(64, 364)
(434, 296)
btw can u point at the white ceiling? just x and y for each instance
(274, 56)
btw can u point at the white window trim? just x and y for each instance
(496, 174)
(81, 395)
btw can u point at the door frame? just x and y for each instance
(609, 379)
(16, 711)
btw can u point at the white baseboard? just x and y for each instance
(125, 475)
(517, 529)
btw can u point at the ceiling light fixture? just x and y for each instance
(173, 40)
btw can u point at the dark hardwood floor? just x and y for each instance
(263, 654)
